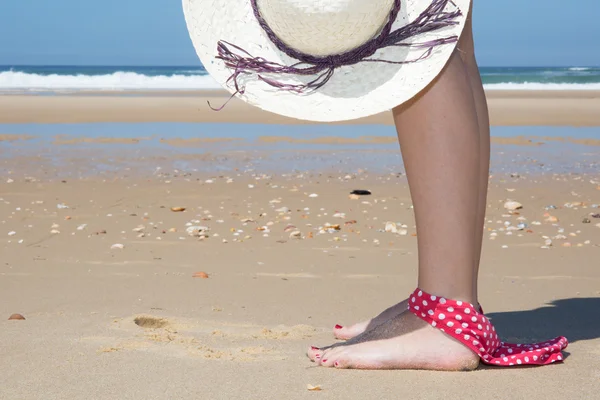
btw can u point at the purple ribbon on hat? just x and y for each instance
(434, 17)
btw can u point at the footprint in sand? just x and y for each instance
(210, 340)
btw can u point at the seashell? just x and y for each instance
(177, 209)
(16, 317)
(202, 275)
(197, 231)
(513, 205)
(289, 228)
(296, 235)
(118, 246)
(391, 227)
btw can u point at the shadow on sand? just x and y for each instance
(575, 318)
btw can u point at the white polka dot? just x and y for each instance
(535, 358)
(487, 343)
(423, 315)
(511, 364)
(458, 331)
(433, 298)
(459, 303)
(510, 351)
(433, 323)
(442, 300)
(519, 362)
(559, 358)
(441, 316)
(465, 325)
(481, 349)
(467, 311)
(450, 324)
(450, 309)
(505, 359)
(487, 327)
(526, 359)
(467, 337)
(474, 319)
(425, 302)
(417, 308)
(420, 293)
(458, 317)
(484, 335)
(475, 342)
(430, 312)
(480, 327)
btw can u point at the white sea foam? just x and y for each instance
(579, 69)
(116, 81)
(20, 81)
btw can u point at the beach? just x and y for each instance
(507, 107)
(158, 249)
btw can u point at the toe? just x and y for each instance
(330, 357)
(340, 363)
(341, 332)
(327, 362)
(344, 332)
(314, 353)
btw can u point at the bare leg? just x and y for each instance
(466, 49)
(439, 138)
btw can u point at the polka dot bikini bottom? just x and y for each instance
(470, 327)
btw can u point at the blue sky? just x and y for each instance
(153, 32)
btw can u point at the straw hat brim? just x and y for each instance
(354, 91)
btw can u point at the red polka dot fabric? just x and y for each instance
(464, 323)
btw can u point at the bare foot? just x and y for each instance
(403, 342)
(349, 332)
(352, 331)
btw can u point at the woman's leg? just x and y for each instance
(466, 49)
(467, 52)
(440, 141)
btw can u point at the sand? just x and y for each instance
(570, 108)
(103, 270)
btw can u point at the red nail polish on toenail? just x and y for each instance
(338, 327)
(324, 360)
(337, 364)
(314, 348)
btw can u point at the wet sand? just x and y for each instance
(507, 108)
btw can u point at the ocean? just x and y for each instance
(61, 78)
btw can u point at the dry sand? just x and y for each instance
(132, 322)
(573, 108)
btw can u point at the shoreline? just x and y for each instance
(507, 108)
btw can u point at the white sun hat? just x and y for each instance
(325, 60)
